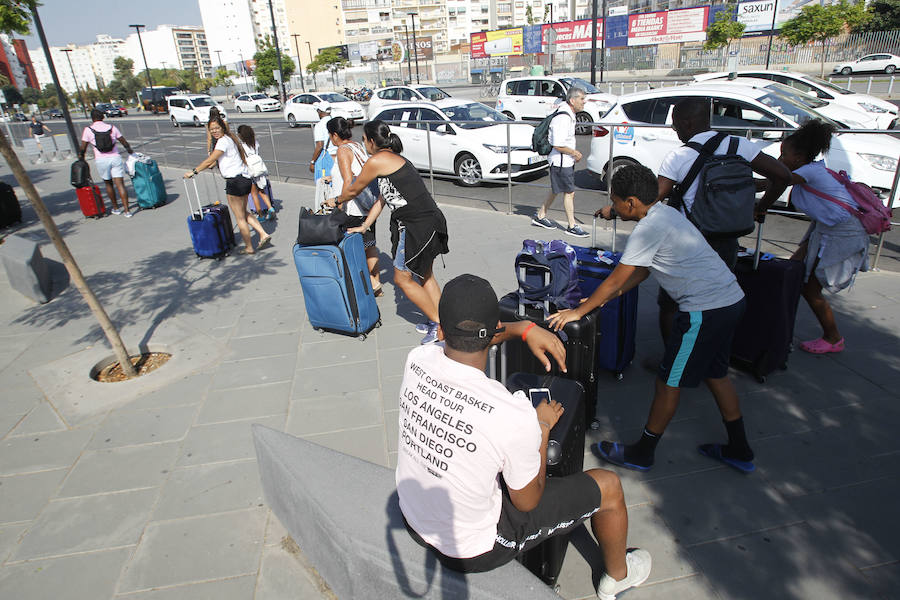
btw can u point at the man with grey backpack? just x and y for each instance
(710, 180)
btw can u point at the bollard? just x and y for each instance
(850, 83)
(891, 86)
(869, 86)
(635, 86)
(274, 152)
(622, 89)
(430, 161)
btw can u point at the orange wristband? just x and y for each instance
(527, 329)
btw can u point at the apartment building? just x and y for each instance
(81, 66)
(103, 55)
(15, 63)
(193, 51)
(332, 22)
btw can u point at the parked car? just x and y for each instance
(533, 98)
(192, 108)
(472, 151)
(884, 112)
(109, 110)
(20, 117)
(404, 93)
(300, 110)
(255, 103)
(844, 116)
(869, 158)
(53, 113)
(880, 63)
(122, 110)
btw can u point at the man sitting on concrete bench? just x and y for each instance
(471, 466)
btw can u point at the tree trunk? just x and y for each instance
(112, 335)
(822, 70)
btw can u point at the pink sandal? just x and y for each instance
(821, 346)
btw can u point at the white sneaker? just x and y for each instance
(116, 211)
(637, 563)
(129, 214)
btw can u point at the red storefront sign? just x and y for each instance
(666, 27)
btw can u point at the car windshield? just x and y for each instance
(830, 86)
(433, 93)
(804, 99)
(334, 98)
(258, 97)
(792, 110)
(578, 82)
(474, 111)
(206, 101)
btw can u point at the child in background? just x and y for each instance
(251, 146)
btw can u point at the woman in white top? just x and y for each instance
(251, 146)
(836, 246)
(232, 161)
(349, 163)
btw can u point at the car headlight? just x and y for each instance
(881, 162)
(505, 149)
(869, 107)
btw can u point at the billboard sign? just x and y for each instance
(505, 42)
(424, 48)
(756, 16)
(574, 35)
(666, 27)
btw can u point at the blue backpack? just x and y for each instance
(547, 274)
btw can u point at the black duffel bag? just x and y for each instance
(317, 230)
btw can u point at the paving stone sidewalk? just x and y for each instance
(149, 490)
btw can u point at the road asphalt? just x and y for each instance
(148, 490)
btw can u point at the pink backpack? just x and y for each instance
(874, 216)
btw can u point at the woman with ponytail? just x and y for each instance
(836, 246)
(232, 161)
(418, 227)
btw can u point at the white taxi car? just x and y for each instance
(869, 158)
(533, 98)
(300, 109)
(404, 93)
(467, 138)
(881, 62)
(255, 103)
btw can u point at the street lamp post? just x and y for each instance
(277, 50)
(244, 72)
(300, 68)
(75, 79)
(415, 47)
(408, 59)
(771, 33)
(144, 55)
(61, 95)
(315, 82)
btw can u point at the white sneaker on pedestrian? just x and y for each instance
(116, 211)
(128, 214)
(637, 563)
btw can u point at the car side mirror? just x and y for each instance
(444, 128)
(772, 135)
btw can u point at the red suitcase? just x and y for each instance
(91, 201)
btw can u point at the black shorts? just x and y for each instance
(564, 505)
(700, 345)
(562, 179)
(238, 186)
(726, 248)
(369, 236)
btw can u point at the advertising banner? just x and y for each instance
(424, 48)
(756, 16)
(497, 43)
(531, 39)
(666, 27)
(617, 31)
(574, 35)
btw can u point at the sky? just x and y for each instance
(79, 22)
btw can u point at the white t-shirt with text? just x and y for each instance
(460, 430)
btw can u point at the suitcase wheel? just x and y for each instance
(361, 337)
(620, 375)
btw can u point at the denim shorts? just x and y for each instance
(562, 179)
(110, 167)
(400, 256)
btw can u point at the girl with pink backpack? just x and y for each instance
(836, 246)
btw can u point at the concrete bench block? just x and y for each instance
(26, 268)
(344, 514)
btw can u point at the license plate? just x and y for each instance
(535, 159)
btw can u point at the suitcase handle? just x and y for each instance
(187, 194)
(612, 246)
(759, 231)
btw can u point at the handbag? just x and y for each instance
(317, 230)
(324, 163)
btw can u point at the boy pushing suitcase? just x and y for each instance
(710, 306)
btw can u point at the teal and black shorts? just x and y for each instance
(700, 345)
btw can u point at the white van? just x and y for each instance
(192, 108)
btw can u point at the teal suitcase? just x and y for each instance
(148, 185)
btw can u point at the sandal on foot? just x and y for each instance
(245, 251)
(822, 346)
(616, 455)
(379, 291)
(714, 451)
(264, 242)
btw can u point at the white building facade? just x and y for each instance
(81, 65)
(103, 54)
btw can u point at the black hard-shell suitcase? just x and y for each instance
(763, 339)
(565, 456)
(80, 174)
(10, 210)
(579, 337)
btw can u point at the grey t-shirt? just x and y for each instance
(682, 261)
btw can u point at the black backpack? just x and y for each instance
(726, 193)
(80, 174)
(103, 140)
(540, 139)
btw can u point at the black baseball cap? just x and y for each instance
(468, 308)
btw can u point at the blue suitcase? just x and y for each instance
(336, 287)
(210, 229)
(617, 323)
(149, 187)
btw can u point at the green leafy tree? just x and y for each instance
(328, 59)
(723, 31)
(49, 97)
(223, 76)
(15, 17)
(267, 61)
(13, 96)
(529, 16)
(31, 95)
(884, 15)
(817, 23)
